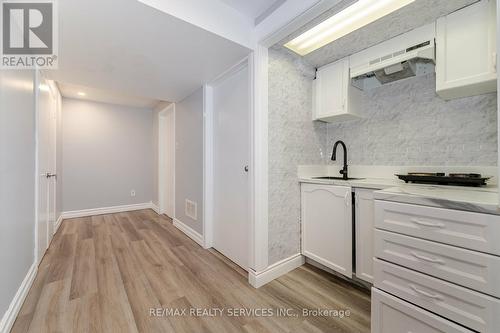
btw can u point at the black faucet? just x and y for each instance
(343, 172)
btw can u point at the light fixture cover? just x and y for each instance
(359, 14)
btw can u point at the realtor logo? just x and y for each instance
(29, 38)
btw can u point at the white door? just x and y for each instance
(166, 155)
(231, 154)
(46, 108)
(326, 217)
(52, 180)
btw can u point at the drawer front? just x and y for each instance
(469, 230)
(461, 305)
(393, 315)
(467, 268)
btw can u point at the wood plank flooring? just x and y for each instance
(107, 273)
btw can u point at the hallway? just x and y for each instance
(105, 273)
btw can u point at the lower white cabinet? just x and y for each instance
(326, 217)
(364, 223)
(461, 305)
(457, 285)
(393, 315)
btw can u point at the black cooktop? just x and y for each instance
(440, 178)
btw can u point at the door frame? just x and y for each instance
(56, 104)
(208, 154)
(36, 94)
(162, 172)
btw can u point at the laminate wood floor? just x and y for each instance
(108, 273)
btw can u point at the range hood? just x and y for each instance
(404, 56)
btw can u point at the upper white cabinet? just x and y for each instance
(466, 51)
(364, 227)
(327, 226)
(332, 100)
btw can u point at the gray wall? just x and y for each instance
(406, 123)
(17, 181)
(189, 157)
(293, 140)
(107, 152)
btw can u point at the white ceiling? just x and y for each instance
(126, 47)
(105, 96)
(412, 16)
(253, 8)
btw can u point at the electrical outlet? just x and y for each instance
(191, 209)
(132, 193)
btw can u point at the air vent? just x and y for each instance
(398, 53)
(191, 209)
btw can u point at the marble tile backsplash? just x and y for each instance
(293, 140)
(406, 123)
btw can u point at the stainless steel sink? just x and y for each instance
(335, 178)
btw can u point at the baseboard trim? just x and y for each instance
(194, 235)
(258, 279)
(155, 208)
(58, 223)
(10, 315)
(105, 210)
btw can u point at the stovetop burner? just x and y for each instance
(440, 178)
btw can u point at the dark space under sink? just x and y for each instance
(336, 178)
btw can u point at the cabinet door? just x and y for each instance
(327, 226)
(466, 51)
(331, 87)
(364, 224)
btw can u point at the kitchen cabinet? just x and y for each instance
(364, 223)
(466, 51)
(423, 258)
(332, 99)
(326, 220)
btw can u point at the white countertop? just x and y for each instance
(373, 183)
(475, 199)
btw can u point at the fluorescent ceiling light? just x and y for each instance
(81, 93)
(356, 16)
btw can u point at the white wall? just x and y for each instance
(189, 157)
(107, 152)
(155, 133)
(17, 181)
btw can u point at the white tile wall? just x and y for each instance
(293, 140)
(407, 124)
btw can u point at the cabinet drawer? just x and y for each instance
(469, 230)
(393, 315)
(461, 305)
(470, 269)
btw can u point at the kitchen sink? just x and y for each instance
(336, 178)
